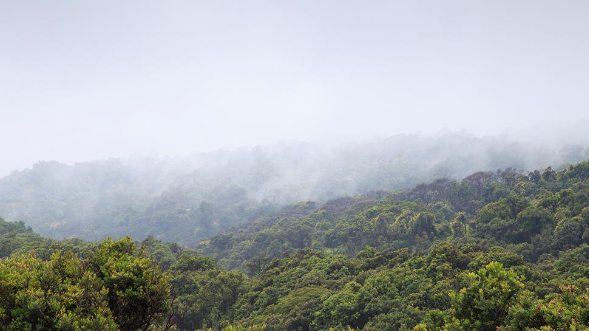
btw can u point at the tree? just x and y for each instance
(138, 291)
(484, 304)
(459, 225)
(47, 295)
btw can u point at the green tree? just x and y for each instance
(484, 304)
(138, 291)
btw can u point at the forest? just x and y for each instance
(335, 165)
(496, 250)
(188, 199)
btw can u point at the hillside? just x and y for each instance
(505, 250)
(531, 214)
(294, 165)
(188, 199)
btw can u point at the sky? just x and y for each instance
(85, 80)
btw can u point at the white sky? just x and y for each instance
(92, 79)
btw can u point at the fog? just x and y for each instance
(187, 199)
(183, 119)
(90, 80)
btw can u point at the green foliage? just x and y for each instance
(495, 251)
(186, 200)
(15, 237)
(138, 292)
(116, 289)
(484, 303)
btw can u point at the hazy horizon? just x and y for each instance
(555, 136)
(98, 79)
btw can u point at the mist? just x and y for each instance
(294, 165)
(186, 199)
(183, 119)
(91, 80)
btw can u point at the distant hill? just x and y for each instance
(189, 199)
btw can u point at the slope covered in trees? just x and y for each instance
(188, 199)
(533, 214)
(504, 250)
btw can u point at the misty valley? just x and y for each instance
(408, 233)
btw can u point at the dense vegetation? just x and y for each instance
(497, 250)
(188, 199)
(531, 214)
(114, 288)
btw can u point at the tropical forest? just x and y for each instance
(496, 250)
(294, 165)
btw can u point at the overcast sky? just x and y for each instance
(82, 80)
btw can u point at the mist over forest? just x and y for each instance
(264, 165)
(187, 199)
